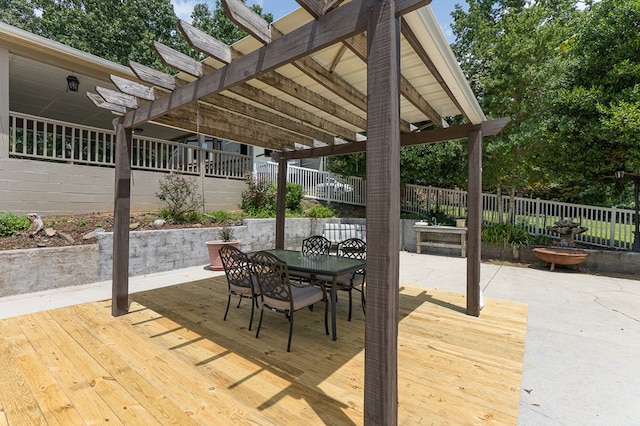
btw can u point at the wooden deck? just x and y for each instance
(173, 360)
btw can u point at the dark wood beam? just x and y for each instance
(346, 21)
(315, 8)
(488, 128)
(474, 222)
(281, 203)
(122, 210)
(383, 216)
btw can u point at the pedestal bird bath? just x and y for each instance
(563, 254)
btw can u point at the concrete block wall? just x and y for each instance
(58, 188)
(28, 271)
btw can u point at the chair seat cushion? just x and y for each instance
(244, 288)
(302, 297)
(344, 281)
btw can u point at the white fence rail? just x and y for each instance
(317, 184)
(50, 140)
(607, 227)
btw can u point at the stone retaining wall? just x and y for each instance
(28, 271)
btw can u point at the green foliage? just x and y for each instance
(320, 212)
(81, 222)
(259, 197)
(226, 233)
(596, 111)
(218, 25)
(10, 224)
(295, 193)
(348, 165)
(224, 216)
(115, 30)
(506, 234)
(182, 198)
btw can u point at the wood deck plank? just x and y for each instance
(172, 360)
(19, 403)
(64, 373)
(151, 398)
(115, 404)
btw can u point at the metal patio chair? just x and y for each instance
(278, 294)
(353, 248)
(240, 279)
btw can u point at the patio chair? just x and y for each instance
(353, 248)
(278, 294)
(240, 279)
(314, 245)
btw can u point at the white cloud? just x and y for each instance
(183, 8)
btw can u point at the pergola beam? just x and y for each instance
(345, 22)
(358, 45)
(488, 128)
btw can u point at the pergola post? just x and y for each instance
(281, 201)
(383, 215)
(474, 222)
(122, 209)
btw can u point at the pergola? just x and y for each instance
(310, 85)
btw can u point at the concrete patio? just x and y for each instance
(583, 334)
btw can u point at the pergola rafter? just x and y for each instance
(285, 88)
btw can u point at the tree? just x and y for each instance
(508, 51)
(115, 30)
(596, 111)
(218, 25)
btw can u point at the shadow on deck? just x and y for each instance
(173, 360)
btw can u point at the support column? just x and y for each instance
(281, 201)
(122, 210)
(474, 224)
(383, 215)
(4, 103)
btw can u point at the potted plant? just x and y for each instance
(225, 235)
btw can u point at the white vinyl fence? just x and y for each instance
(317, 184)
(607, 227)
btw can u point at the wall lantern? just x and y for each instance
(72, 83)
(619, 174)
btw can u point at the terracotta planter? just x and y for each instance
(214, 254)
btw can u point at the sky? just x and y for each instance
(441, 9)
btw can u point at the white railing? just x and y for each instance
(317, 184)
(50, 140)
(607, 227)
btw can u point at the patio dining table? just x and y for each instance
(322, 266)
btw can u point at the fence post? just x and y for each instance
(537, 230)
(612, 230)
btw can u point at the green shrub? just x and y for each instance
(506, 234)
(10, 224)
(295, 193)
(181, 195)
(320, 212)
(259, 197)
(223, 216)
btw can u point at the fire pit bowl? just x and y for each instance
(560, 256)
